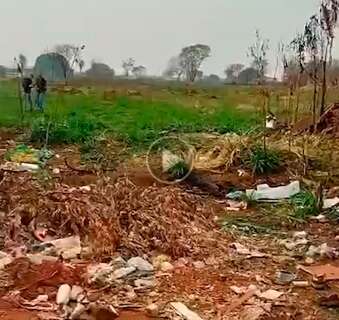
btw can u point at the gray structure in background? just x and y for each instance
(52, 66)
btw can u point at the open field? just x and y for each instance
(220, 257)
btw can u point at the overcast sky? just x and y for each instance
(151, 31)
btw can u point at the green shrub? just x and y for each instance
(305, 204)
(262, 160)
(73, 129)
(179, 170)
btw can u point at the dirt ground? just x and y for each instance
(206, 265)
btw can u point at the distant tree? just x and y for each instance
(191, 58)
(128, 66)
(258, 53)
(3, 71)
(212, 79)
(233, 70)
(100, 71)
(248, 75)
(174, 68)
(81, 65)
(139, 71)
(72, 54)
(22, 61)
(200, 75)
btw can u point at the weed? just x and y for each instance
(246, 227)
(263, 161)
(305, 204)
(73, 129)
(179, 170)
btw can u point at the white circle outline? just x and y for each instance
(192, 153)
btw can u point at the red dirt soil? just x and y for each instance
(33, 280)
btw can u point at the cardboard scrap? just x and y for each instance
(328, 271)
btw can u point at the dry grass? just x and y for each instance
(118, 216)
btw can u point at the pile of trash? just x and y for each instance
(25, 158)
(112, 216)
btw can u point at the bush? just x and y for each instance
(73, 129)
(262, 160)
(305, 203)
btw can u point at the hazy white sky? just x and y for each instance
(151, 31)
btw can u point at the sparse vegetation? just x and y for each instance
(305, 204)
(263, 161)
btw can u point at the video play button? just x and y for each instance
(170, 160)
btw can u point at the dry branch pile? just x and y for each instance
(119, 216)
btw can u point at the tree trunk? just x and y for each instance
(324, 82)
(314, 90)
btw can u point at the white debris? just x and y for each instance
(56, 171)
(301, 284)
(153, 309)
(238, 290)
(270, 294)
(184, 312)
(144, 284)
(140, 263)
(63, 294)
(5, 261)
(330, 203)
(28, 167)
(312, 251)
(252, 313)
(75, 292)
(123, 272)
(242, 250)
(320, 218)
(299, 235)
(85, 188)
(169, 160)
(68, 248)
(166, 266)
(199, 264)
(78, 311)
(265, 192)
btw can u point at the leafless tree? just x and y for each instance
(329, 10)
(258, 53)
(233, 70)
(22, 61)
(191, 58)
(128, 66)
(72, 54)
(312, 40)
(298, 45)
(81, 65)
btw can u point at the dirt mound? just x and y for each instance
(33, 280)
(121, 216)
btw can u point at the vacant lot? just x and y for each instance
(216, 249)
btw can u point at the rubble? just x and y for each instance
(329, 272)
(140, 264)
(284, 277)
(166, 266)
(270, 294)
(76, 292)
(123, 272)
(264, 192)
(64, 294)
(184, 312)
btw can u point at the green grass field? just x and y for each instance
(135, 120)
